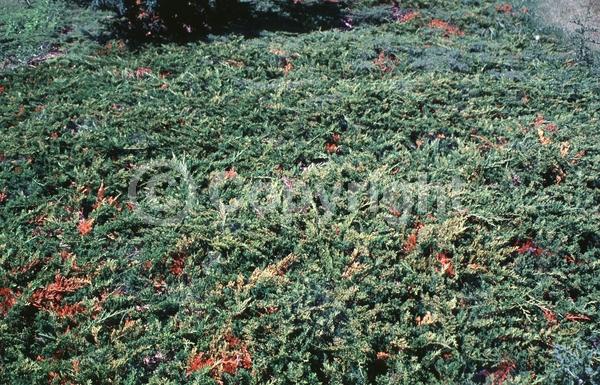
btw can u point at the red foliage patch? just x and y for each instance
(529, 247)
(7, 300)
(50, 297)
(550, 317)
(2, 89)
(411, 241)
(331, 148)
(100, 196)
(336, 137)
(287, 64)
(502, 372)
(446, 262)
(539, 120)
(449, 29)
(572, 317)
(385, 62)
(3, 196)
(229, 359)
(504, 8)
(231, 173)
(177, 265)
(141, 72)
(85, 226)
(67, 311)
(406, 15)
(198, 362)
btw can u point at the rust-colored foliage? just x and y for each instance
(85, 226)
(449, 29)
(504, 8)
(234, 355)
(288, 66)
(573, 317)
(502, 372)
(178, 265)
(67, 311)
(550, 317)
(231, 173)
(336, 137)
(447, 265)
(331, 148)
(385, 62)
(543, 127)
(198, 362)
(529, 247)
(413, 238)
(3, 196)
(50, 297)
(2, 89)
(142, 72)
(7, 300)
(407, 16)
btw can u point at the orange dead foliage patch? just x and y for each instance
(76, 366)
(50, 297)
(67, 311)
(502, 372)
(529, 247)
(230, 358)
(2, 89)
(235, 63)
(543, 127)
(100, 195)
(539, 121)
(85, 226)
(427, 319)
(160, 286)
(383, 356)
(3, 196)
(385, 62)
(331, 148)
(231, 173)
(573, 317)
(178, 265)
(354, 268)
(565, 147)
(288, 66)
(449, 29)
(411, 241)
(101, 199)
(407, 16)
(446, 262)
(8, 298)
(395, 212)
(198, 362)
(141, 72)
(550, 317)
(271, 309)
(504, 8)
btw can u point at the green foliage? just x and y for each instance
(31, 31)
(25, 30)
(276, 136)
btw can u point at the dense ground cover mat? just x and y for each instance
(412, 201)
